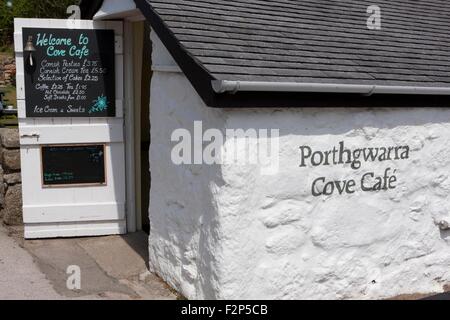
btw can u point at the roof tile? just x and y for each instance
(315, 40)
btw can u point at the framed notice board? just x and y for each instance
(71, 73)
(73, 165)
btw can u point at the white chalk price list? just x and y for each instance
(67, 81)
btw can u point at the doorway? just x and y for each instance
(142, 72)
(145, 129)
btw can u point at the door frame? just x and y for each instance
(127, 12)
(133, 48)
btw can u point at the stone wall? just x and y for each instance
(7, 71)
(379, 229)
(10, 178)
(183, 218)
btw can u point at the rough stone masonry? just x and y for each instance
(7, 71)
(10, 177)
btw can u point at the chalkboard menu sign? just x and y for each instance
(70, 74)
(73, 165)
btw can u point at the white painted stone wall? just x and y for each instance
(230, 232)
(184, 237)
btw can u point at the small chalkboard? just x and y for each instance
(71, 165)
(71, 73)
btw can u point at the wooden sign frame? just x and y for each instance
(116, 26)
(73, 209)
(101, 91)
(75, 185)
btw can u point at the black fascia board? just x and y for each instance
(197, 75)
(201, 80)
(328, 100)
(89, 8)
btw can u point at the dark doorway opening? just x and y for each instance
(145, 129)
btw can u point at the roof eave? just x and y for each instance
(198, 76)
(222, 86)
(279, 95)
(89, 8)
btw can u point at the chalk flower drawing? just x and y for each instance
(100, 104)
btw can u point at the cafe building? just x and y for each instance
(273, 149)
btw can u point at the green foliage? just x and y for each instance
(7, 50)
(10, 95)
(28, 9)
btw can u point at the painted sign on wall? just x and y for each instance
(69, 73)
(73, 165)
(354, 158)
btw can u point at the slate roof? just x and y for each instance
(304, 42)
(315, 40)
